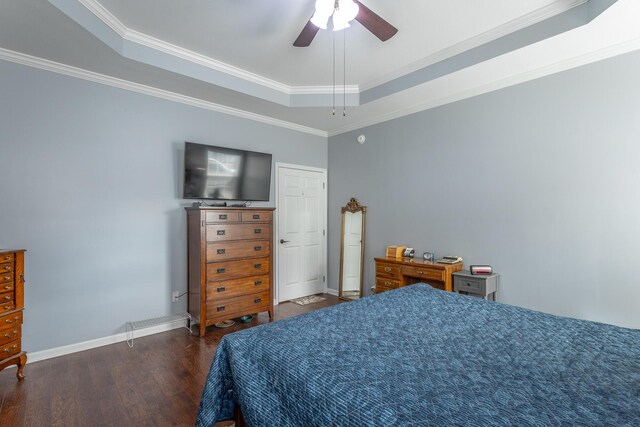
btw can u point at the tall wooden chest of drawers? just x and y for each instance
(11, 307)
(229, 262)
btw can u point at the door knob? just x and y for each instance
(284, 241)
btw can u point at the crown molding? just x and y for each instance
(325, 90)
(598, 55)
(56, 67)
(507, 28)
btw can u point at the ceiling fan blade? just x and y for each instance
(372, 22)
(306, 35)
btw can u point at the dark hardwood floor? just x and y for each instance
(158, 382)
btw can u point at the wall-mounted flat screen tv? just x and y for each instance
(220, 173)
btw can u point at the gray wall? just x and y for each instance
(540, 180)
(91, 186)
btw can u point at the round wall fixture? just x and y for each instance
(361, 139)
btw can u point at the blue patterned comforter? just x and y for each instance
(422, 357)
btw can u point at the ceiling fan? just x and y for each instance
(343, 11)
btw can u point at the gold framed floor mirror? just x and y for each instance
(352, 250)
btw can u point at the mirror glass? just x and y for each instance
(352, 250)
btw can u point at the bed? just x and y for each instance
(418, 356)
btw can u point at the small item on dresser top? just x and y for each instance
(428, 256)
(480, 269)
(395, 251)
(409, 253)
(450, 259)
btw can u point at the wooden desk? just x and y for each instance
(393, 273)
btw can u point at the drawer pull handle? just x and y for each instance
(257, 300)
(387, 283)
(257, 248)
(258, 265)
(387, 269)
(7, 277)
(222, 217)
(8, 267)
(9, 321)
(256, 217)
(257, 282)
(221, 289)
(221, 270)
(7, 287)
(7, 307)
(7, 258)
(7, 298)
(420, 272)
(221, 251)
(220, 232)
(220, 308)
(258, 231)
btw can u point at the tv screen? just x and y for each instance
(221, 173)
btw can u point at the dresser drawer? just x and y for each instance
(7, 306)
(232, 307)
(232, 269)
(11, 334)
(7, 286)
(6, 297)
(6, 277)
(6, 258)
(386, 283)
(10, 320)
(224, 232)
(222, 217)
(256, 216)
(423, 273)
(6, 267)
(9, 349)
(231, 250)
(388, 270)
(235, 287)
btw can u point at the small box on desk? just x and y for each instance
(395, 251)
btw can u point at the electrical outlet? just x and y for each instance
(174, 296)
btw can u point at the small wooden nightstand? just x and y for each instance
(477, 285)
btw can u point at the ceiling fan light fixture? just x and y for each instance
(320, 20)
(339, 23)
(349, 9)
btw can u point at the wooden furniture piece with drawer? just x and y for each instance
(229, 262)
(477, 285)
(393, 273)
(11, 307)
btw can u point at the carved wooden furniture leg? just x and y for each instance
(21, 362)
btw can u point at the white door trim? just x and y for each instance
(276, 243)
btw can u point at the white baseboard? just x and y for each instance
(37, 356)
(333, 292)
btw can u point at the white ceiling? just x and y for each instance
(36, 33)
(257, 35)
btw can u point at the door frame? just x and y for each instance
(276, 243)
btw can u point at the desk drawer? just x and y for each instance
(386, 283)
(233, 250)
(231, 288)
(6, 267)
(423, 273)
(222, 217)
(388, 270)
(11, 334)
(7, 286)
(6, 298)
(6, 277)
(232, 269)
(10, 320)
(224, 232)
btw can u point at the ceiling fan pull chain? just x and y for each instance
(334, 73)
(344, 72)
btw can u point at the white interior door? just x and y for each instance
(301, 230)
